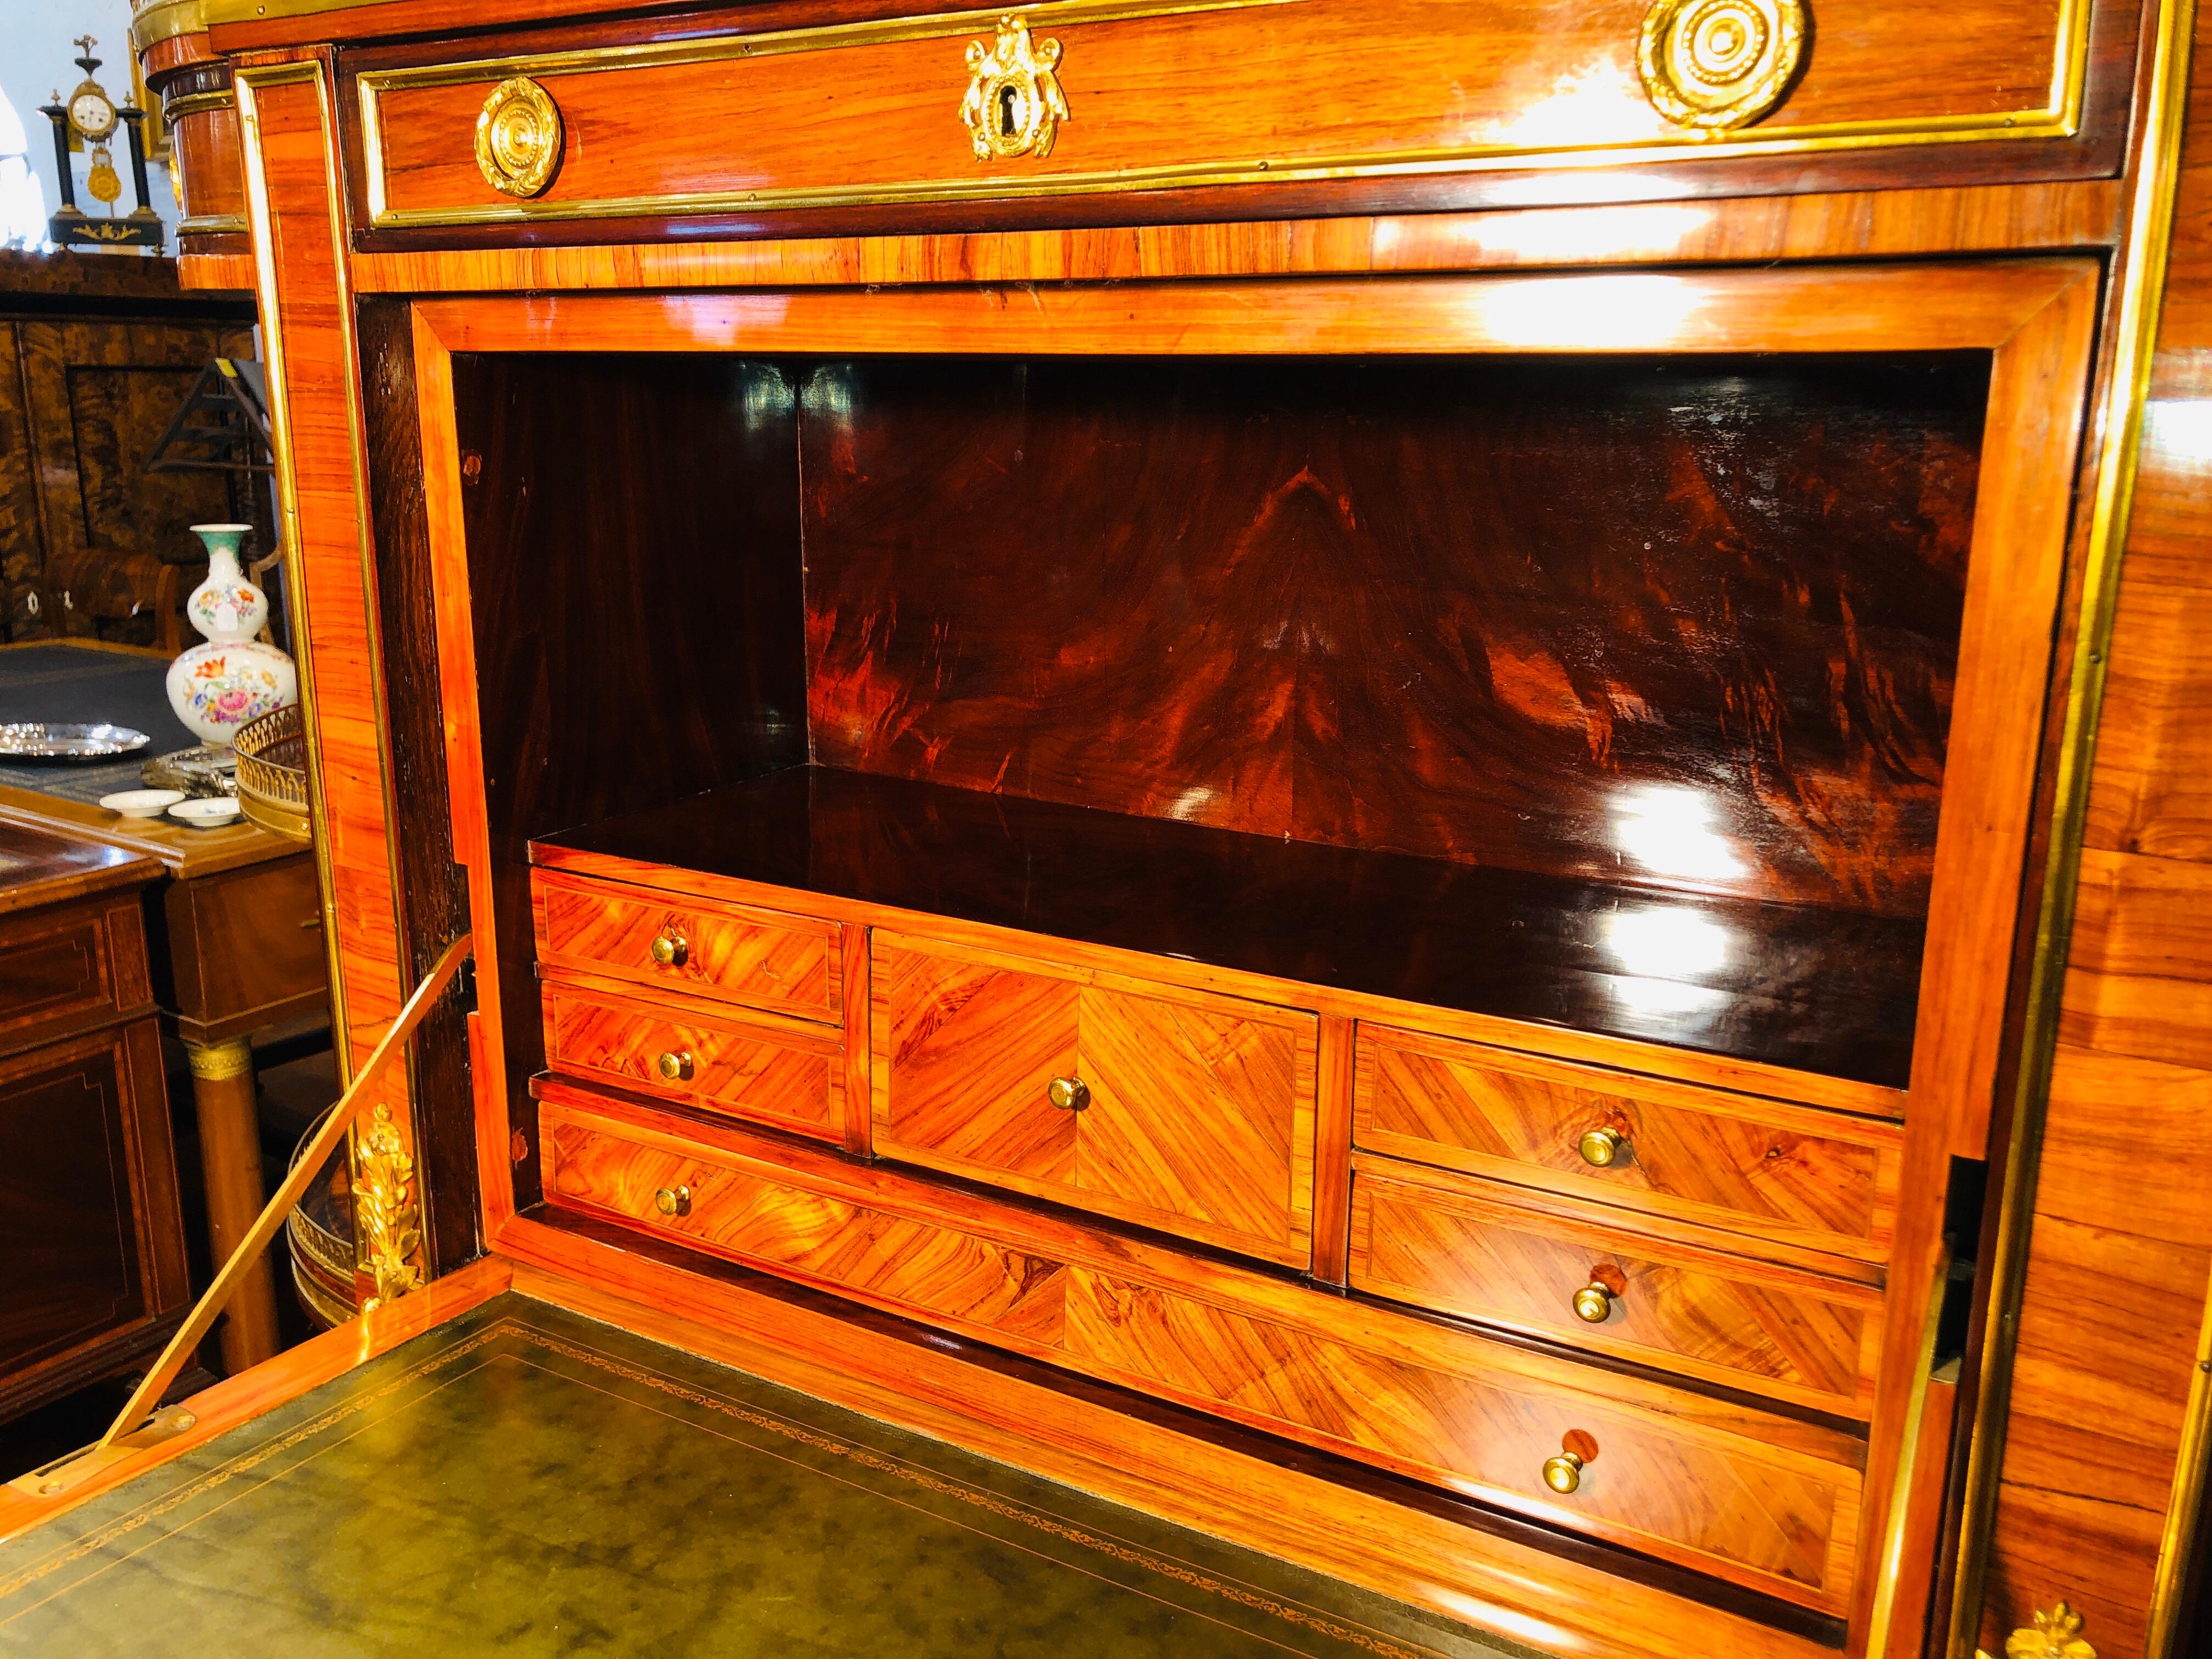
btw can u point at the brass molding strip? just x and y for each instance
(1892, 1566)
(174, 110)
(2059, 117)
(2177, 1541)
(165, 20)
(212, 224)
(2142, 285)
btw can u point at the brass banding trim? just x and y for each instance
(219, 1062)
(2059, 117)
(213, 224)
(174, 110)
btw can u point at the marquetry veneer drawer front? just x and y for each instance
(1759, 1499)
(837, 1243)
(764, 958)
(1818, 1179)
(1182, 92)
(1171, 1109)
(785, 1075)
(1446, 1243)
(65, 965)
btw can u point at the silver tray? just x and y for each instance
(43, 741)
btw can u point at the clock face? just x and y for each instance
(93, 116)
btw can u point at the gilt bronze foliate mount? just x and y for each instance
(1014, 105)
(1715, 65)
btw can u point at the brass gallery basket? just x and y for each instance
(320, 1233)
(272, 771)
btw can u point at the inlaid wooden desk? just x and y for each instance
(235, 933)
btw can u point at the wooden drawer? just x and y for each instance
(784, 1074)
(1789, 1173)
(1446, 1243)
(66, 966)
(764, 958)
(1713, 1498)
(1721, 1487)
(1200, 1114)
(1162, 94)
(833, 1243)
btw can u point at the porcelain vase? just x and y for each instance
(216, 687)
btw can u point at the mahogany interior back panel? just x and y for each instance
(1690, 622)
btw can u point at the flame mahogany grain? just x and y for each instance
(1478, 609)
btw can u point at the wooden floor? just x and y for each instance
(524, 1479)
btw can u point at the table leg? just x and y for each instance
(230, 1163)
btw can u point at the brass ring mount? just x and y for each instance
(1715, 65)
(519, 137)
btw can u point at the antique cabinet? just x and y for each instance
(90, 1225)
(1355, 742)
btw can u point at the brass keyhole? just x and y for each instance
(1010, 111)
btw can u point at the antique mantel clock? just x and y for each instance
(92, 116)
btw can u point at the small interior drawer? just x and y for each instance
(1457, 1245)
(764, 958)
(1792, 1174)
(783, 1075)
(1171, 1109)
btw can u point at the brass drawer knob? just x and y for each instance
(1715, 65)
(1600, 1148)
(1070, 1094)
(1564, 1474)
(1593, 1302)
(670, 948)
(673, 1200)
(519, 137)
(675, 1065)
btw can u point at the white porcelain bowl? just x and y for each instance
(142, 803)
(211, 812)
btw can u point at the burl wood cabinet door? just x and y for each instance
(1171, 1109)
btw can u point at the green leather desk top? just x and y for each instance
(527, 1480)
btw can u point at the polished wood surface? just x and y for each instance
(1199, 1115)
(90, 1228)
(783, 963)
(1353, 603)
(1461, 1247)
(1737, 1162)
(1789, 986)
(790, 1077)
(1999, 218)
(840, 1246)
(1394, 84)
(244, 949)
(1777, 1499)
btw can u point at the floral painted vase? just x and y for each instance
(217, 687)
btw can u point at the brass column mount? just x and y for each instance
(1014, 105)
(2054, 1635)
(1715, 65)
(519, 137)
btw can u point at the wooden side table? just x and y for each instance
(234, 921)
(89, 1224)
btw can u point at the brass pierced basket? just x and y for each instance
(272, 773)
(320, 1233)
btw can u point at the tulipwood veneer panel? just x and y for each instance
(1460, 1247)
(1759, 1499)
(1736, 1162)
(1200, 1117)
(790, 1077)
(784, 963)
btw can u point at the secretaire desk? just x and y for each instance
(1445, 754)
(235, 933)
